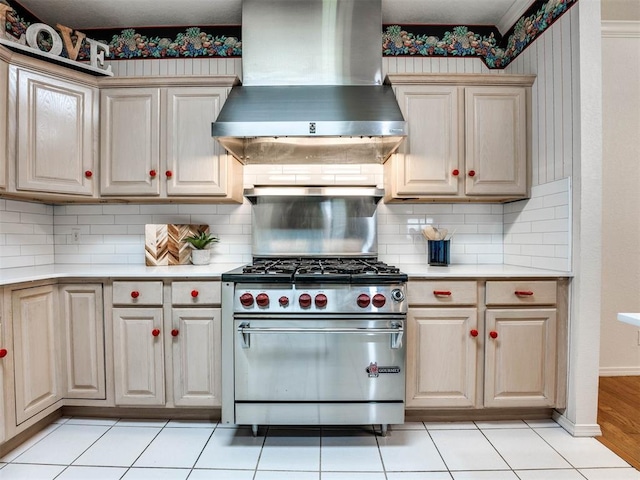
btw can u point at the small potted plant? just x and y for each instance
(200, 243)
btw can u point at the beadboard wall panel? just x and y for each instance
(176, 67)
(434, 65)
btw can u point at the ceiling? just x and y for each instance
(90, 14)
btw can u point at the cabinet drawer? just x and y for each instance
(521, 293)
(442, 293)
(137, 293)
(195, 293)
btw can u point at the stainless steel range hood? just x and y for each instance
(322, 101)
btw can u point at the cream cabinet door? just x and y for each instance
(36, 344)
(442, 352)
(495, 141)
(138, 362)
(84, 361)
(130, 141)
(427, 162)
(195, 352)
(55, 135)
(5, 369)
(520, 358)
(4, 93)
(196, 161)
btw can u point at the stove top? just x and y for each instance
(316, 270)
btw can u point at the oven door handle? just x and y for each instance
(396, 330)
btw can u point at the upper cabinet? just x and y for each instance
(55, 121)
(4, 90)
(468, 138)
(156, 142)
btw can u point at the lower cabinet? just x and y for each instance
(506, 352)
(81, 311)
(36, 342)
(441, 363)
(5, 379)
(171, 360)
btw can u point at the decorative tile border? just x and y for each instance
(483, 42)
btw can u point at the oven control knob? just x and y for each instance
(246, 299)
(321, 300)
(305, 300)
(397, 295)
(262, 299)
(363, 300)
(378, 300)
(283, 301)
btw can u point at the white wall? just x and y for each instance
(620, 343)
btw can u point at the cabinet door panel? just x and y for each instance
(441, 357)
(196, 356)
(428, 157)
(138, 356)
(55, 134)
(495, 141)
(36, 347)
(4, 80)
(129, 138)
(196, 160)
(82, 314)
(520, 363)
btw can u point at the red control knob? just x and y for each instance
(493, 334)
(3, 352)
(175, 332)
(246, 299)
(472, 173)
(363, 300)
(155, 332)
(169, 173)
(262, 299)
(135, 294)
(378, 300)
(321, 300)
(474, 333)
(305, 300)
(455, 172)
(153, 173)
(88, 174)
(194, 293)
(283, 301)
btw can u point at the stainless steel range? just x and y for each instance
(314, 340)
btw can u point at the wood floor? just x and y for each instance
(619, 416)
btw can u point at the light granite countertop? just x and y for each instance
(214, 271)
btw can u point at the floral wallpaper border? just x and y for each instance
(482, 42)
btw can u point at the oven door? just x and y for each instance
(319, 359)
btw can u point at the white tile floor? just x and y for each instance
(109, 449)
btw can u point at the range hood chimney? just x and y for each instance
(312, 89)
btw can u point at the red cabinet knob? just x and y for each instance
(493, 334)
(474, 332)
(169, 173)
(175, 332)
(153, 173)
(283, 301)
(523, 293)
(3, 352)
(472, 173)
(155, 332)
(262, 299)
(135, 294)
(88, 174)
(455, 172)
(321, 300)
(194, 293)
(378, 300)
(442, 293)
(246, 299)
(305, 300)
(363, 300)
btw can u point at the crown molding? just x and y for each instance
(620, 29)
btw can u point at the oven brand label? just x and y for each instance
(374, 370)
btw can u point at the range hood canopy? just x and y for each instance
(320, 102)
